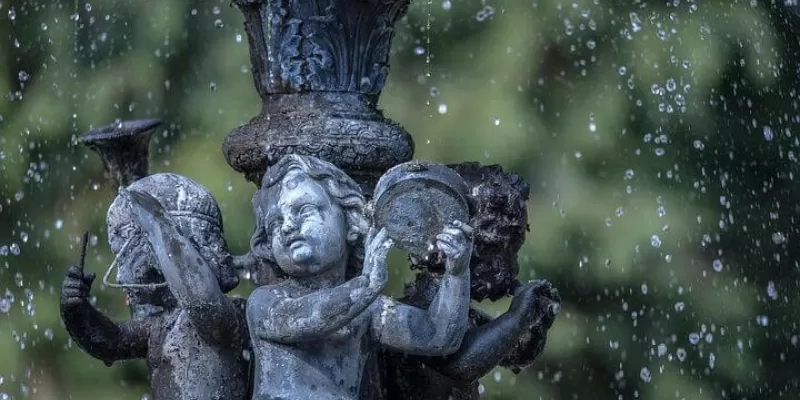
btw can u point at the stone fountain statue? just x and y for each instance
(337, 189)
(174, 271)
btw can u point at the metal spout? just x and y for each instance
(124, 147)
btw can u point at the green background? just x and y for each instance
(659, 139)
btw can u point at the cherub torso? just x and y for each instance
(183, 366)
(329, 369)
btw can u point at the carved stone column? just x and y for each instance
(319, 67)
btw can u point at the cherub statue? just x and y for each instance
(313, 331)
(514, 339)
(166, 233)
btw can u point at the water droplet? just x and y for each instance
(655, 241)
(768, 133)
(485, 13)
(215, 10)
(629, 173)
(498, 376)
(671, 85)
(623, 70)
(12, 14)
(680, 306)
(5, 305)
(636, 23)
(446, 5)
(88, 7)
(59, 223)
(681, 353)
(14, 248)
(219, 24)
(717, 265)
(419, 50)
(443, 108)
(238, 38)
(496, 121)
(645, 374)
(18, 280)
(23, 76)
(778, 238)
(694, 338)
(771, 291)
(48, 334)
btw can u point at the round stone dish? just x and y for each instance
(415, 200)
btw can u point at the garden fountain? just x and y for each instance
(319, 67)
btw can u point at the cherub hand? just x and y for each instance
(76, 286)
(375, 268)
(455, 242)
(537, 303)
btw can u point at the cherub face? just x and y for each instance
(308, 229)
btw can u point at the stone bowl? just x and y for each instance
(415, 200)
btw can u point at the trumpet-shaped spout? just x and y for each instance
(124, 147)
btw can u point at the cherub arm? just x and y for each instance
(489, 344)
(95, 333)
(187, 273)
(440, 329)
(275, 315)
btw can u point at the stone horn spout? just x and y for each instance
(319, 67)
(124, 148)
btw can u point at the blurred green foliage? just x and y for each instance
(659, 139)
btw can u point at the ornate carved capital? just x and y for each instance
(320, 45)
(319, 67)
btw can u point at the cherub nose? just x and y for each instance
(288, 225)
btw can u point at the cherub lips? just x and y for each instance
(294, 242)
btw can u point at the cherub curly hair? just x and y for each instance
(343, 190)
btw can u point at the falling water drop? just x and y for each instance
(645, 374)
(655, 241)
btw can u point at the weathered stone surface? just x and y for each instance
(319, 67)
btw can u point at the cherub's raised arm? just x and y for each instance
(187, 273)
(440, 329)
(436, 331)
(95, 333)
(274, 315)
